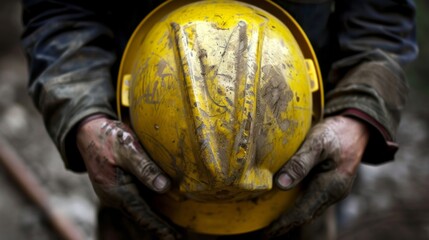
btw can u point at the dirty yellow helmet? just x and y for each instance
(221, 94)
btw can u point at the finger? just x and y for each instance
(149, 173)
(323, 191)
(140, 165)
(319, 145)
(127, 198)
(140, 212)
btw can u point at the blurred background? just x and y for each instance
(388, 202)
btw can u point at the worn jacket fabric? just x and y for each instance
(73, 48)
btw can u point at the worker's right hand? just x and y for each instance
(116, 164)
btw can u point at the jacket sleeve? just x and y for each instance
(70, 53)
(376, 38)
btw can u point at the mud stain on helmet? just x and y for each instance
(276, 94)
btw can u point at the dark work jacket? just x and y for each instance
(74, 47)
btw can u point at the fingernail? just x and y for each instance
(161, 183)
(284, 180)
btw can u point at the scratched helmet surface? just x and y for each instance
(221, 94)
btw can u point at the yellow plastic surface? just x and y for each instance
(221, 94)
(125, 90)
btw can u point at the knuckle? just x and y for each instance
(297, 219)
(297, 168)
(148, 170)
(136, 209)
(151, 222)
(325, 136)
(305, 218)
(143, 221)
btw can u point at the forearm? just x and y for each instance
(70, 55)
(377, 39)
(375, 96)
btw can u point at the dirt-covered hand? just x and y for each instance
(116, 165)
(327, 162)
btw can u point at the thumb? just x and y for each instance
(135, 160)
(308, 156)
(142, 167)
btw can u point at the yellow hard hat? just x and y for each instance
(221, 94)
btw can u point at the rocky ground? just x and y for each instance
(388, 202)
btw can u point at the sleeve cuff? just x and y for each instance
(380, 148)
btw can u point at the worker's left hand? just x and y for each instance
(118, 166)
(326, 164)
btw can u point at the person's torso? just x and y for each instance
(314, 16)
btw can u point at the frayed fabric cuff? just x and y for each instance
(381, 148)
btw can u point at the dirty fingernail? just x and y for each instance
(161, 183)
(284, 180)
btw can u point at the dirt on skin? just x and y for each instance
(388, 202)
